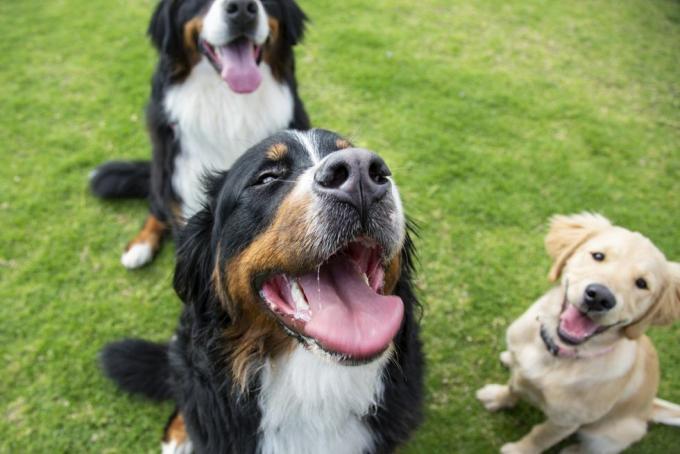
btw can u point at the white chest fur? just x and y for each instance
(215, 126)
(311, 405)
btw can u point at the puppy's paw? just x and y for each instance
(494, 397)
(506, 359)
(139, 254)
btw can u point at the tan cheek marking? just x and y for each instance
(273, 49)
(277, 152)
(342, 144)
(392, 274)
(274, 28)
(191, 31)
(254, 333)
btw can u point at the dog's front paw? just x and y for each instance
(493, 397)
(517, 448)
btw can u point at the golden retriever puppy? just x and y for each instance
(580, 353)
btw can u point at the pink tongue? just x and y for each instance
(239, 68)
(349, 317)
(575, 324)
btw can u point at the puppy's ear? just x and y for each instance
(567, 233)
(669, 310)
(293, 21)
(664, 311)
(162, 28)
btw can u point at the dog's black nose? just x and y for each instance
(598, 298)
(354, 176)
(241, 11)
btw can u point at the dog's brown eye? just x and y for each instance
(598, 256)
(641, 283)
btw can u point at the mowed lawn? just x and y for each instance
(493, 115)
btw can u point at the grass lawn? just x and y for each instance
(492, 114)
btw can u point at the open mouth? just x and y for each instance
(339, 307)
(237, 62)
(575, 327)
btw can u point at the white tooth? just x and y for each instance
(302, 311)
(365, 279)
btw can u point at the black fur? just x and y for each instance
(138, 367)
(219, 417)
(122, 180)
(166, 33)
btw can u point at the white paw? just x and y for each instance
(139, 254)
(492, 396)
(174, 447)
(506, 358)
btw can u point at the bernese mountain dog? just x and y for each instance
(299, 332)
(225, 80)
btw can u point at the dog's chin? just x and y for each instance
(338, 308)
(237, 62)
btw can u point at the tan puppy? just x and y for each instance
(580, 353)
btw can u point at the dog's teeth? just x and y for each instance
(302, 311)
(365, 276)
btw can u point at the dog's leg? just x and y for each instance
(611, 436)
(495, 397)
(175, 437)
(541, 437)
(144, 246)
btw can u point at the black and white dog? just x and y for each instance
(299, 332)
(225, 80)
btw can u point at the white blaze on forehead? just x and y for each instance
(216, 27)
(306, 139)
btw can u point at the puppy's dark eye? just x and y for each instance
(597, 256)
(641, 283)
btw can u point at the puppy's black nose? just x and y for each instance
(598, 298)
(241, 12)
(354, 176)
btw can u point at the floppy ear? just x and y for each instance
(162, 30)
(567, 233)
(293, 21)
(664, 311)
(194, 258)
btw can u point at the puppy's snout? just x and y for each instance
(597, 297)
(354, 176)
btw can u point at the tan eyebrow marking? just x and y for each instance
(342, 143)
(277, 151)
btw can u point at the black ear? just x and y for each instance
(163, 30)
(194, 258)
(293, 21)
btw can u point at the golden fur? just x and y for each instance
(606, 392)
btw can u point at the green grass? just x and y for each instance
(492, 114)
